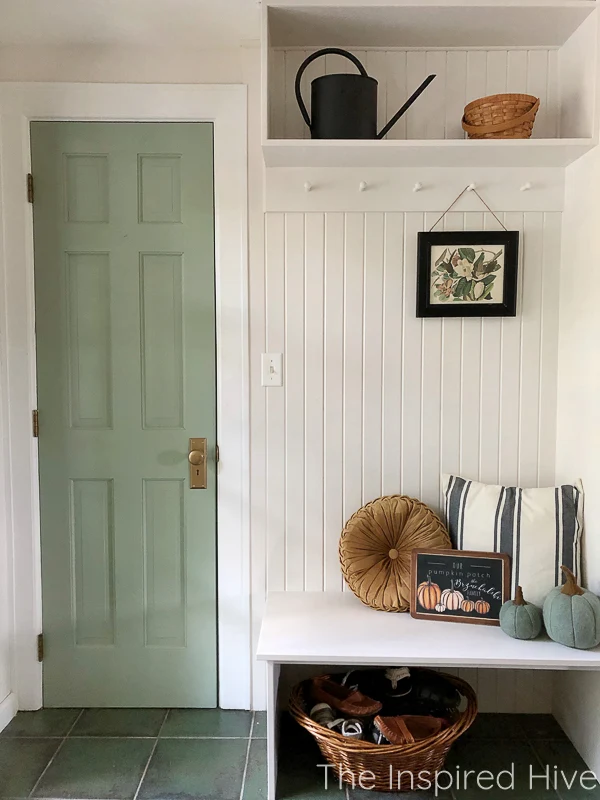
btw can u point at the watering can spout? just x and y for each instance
(386, 129)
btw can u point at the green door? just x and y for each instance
(125, 327)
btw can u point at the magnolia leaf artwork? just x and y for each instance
(467, 275)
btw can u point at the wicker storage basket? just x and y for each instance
(501, 116)
(351, 757)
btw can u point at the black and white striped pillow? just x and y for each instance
(540, 529)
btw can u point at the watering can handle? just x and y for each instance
(328, 51)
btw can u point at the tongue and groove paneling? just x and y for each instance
(377, 401)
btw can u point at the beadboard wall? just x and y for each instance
(376, 401)
(462, 76)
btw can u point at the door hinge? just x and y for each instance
(29, 187)
(217, 454)
(35, 423)
(40, 647)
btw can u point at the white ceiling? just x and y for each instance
(168, 23)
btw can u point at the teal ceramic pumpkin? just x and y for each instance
(572, 615)
(520, 619)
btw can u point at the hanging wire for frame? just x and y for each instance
(469, 188)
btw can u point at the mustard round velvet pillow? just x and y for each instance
(376, 546)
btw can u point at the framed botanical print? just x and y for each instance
(467, 274)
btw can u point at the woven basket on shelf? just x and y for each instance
(501, 116)
(351, 757)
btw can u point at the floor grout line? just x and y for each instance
(109, 736)
(190, 736)
(154, 746)
(58, 749)
(127, 736)
(37, 736)
(247, 757)
(80, 736)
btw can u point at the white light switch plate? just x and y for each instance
(272, 369)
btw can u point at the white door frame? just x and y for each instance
(226, 107)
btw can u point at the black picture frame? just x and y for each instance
(430, 304)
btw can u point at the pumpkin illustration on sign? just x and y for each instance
(452, 598)
(482, 607)
(429, 594)
(467, 606)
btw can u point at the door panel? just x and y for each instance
(124, 274)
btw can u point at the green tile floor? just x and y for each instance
(152, 754)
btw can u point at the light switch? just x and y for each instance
(272, 369)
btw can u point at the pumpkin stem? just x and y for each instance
(519, 600)
(570, 588)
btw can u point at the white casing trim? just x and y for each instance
(226, 107)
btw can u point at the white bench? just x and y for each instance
(336, 628)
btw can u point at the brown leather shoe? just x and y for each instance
(348, 701)
(408, 728)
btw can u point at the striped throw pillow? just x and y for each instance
(540, 529)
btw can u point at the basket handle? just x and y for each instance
(502, 126)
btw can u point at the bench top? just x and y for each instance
(336, 628)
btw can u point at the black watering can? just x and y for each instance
(345, 106)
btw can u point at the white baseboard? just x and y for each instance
(8, 709)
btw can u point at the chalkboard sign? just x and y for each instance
(459, 585)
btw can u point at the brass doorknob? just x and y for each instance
(196, 457)
(198, 463)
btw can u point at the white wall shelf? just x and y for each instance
(540, 47)
(336, 628)
(424, 153)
